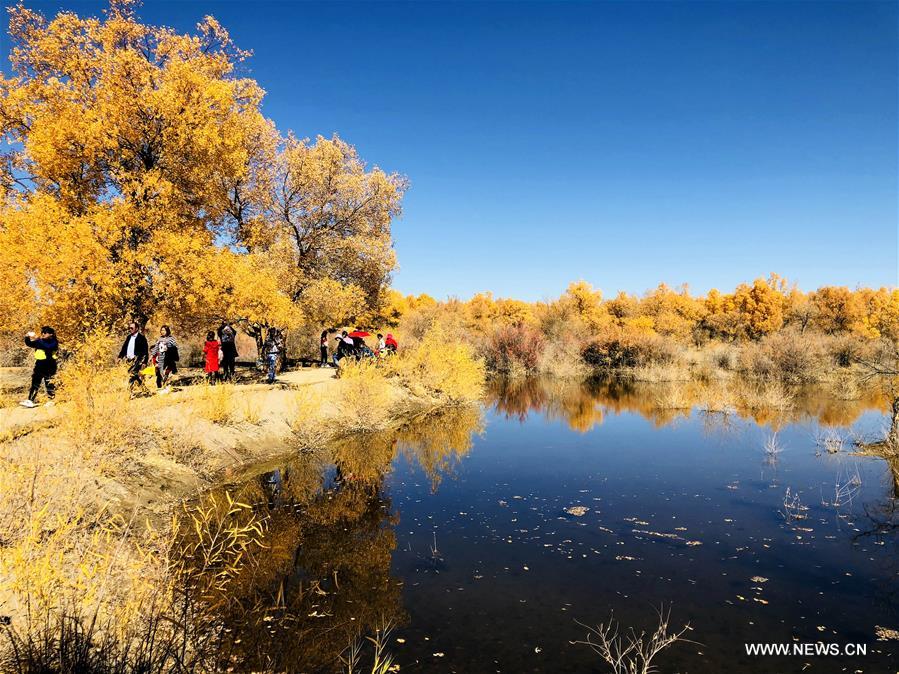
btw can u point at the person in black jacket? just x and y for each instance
(135, 352)
(228, 338)
(45, 349)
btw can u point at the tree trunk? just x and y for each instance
(893, 436)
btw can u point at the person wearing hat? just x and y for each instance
(45, 348)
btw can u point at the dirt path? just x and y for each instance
(203, 451)
(14, 418)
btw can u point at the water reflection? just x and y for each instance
(583, 405)
(322, 578)
(492, 561)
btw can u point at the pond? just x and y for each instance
(489, 537)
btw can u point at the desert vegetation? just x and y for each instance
(141, 182)
(768, 329)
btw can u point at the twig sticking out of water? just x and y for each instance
(845, 489)
(830, 440)
(772, 447)
(435, 553)
(627, 652)
(792, 507)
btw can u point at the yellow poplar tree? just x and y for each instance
(321, 214)
(123, 140)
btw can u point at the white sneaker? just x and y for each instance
(163, 391)
(27, 403)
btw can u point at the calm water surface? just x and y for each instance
(457, 530)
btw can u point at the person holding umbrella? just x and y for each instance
(359, 346)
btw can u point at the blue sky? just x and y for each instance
(622, 143)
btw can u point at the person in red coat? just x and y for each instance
(211, 350)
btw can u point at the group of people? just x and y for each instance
(352, 345)
(161, 359)
(219, 353)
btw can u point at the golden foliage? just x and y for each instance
(142, 181)
(363, 396)
(439, 368)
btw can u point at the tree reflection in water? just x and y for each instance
(583, 405)
(323, 577)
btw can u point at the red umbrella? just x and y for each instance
(359, 333)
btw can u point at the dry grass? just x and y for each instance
(216, 403)
(660, 372)
(310, 423)
(626, 651)
(250, 411)
(674, 395)
(363, 397)
(96, 409)
(101, 593)
(763, 395)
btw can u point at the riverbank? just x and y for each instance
(94, 490)
(140, 456)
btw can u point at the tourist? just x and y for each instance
(136, 353)
(324, 349)
(228, 338)
(271, 349)
(381, 344)
(211, 351)
(390, 344)
(165, 356)
(345, 347)
(45, 349)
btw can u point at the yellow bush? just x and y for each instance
(363, 396)
(440, 369)
(96, 409)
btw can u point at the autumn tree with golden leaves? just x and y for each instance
(140, 179)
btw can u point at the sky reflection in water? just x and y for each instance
(456, 529)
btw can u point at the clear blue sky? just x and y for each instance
(622, 143)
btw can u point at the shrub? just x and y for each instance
(797, 358)
(844, 350)
(618, 348)
(787, 356)
(362, 394)
(514, 349)
(561, 357)
(437, 368)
